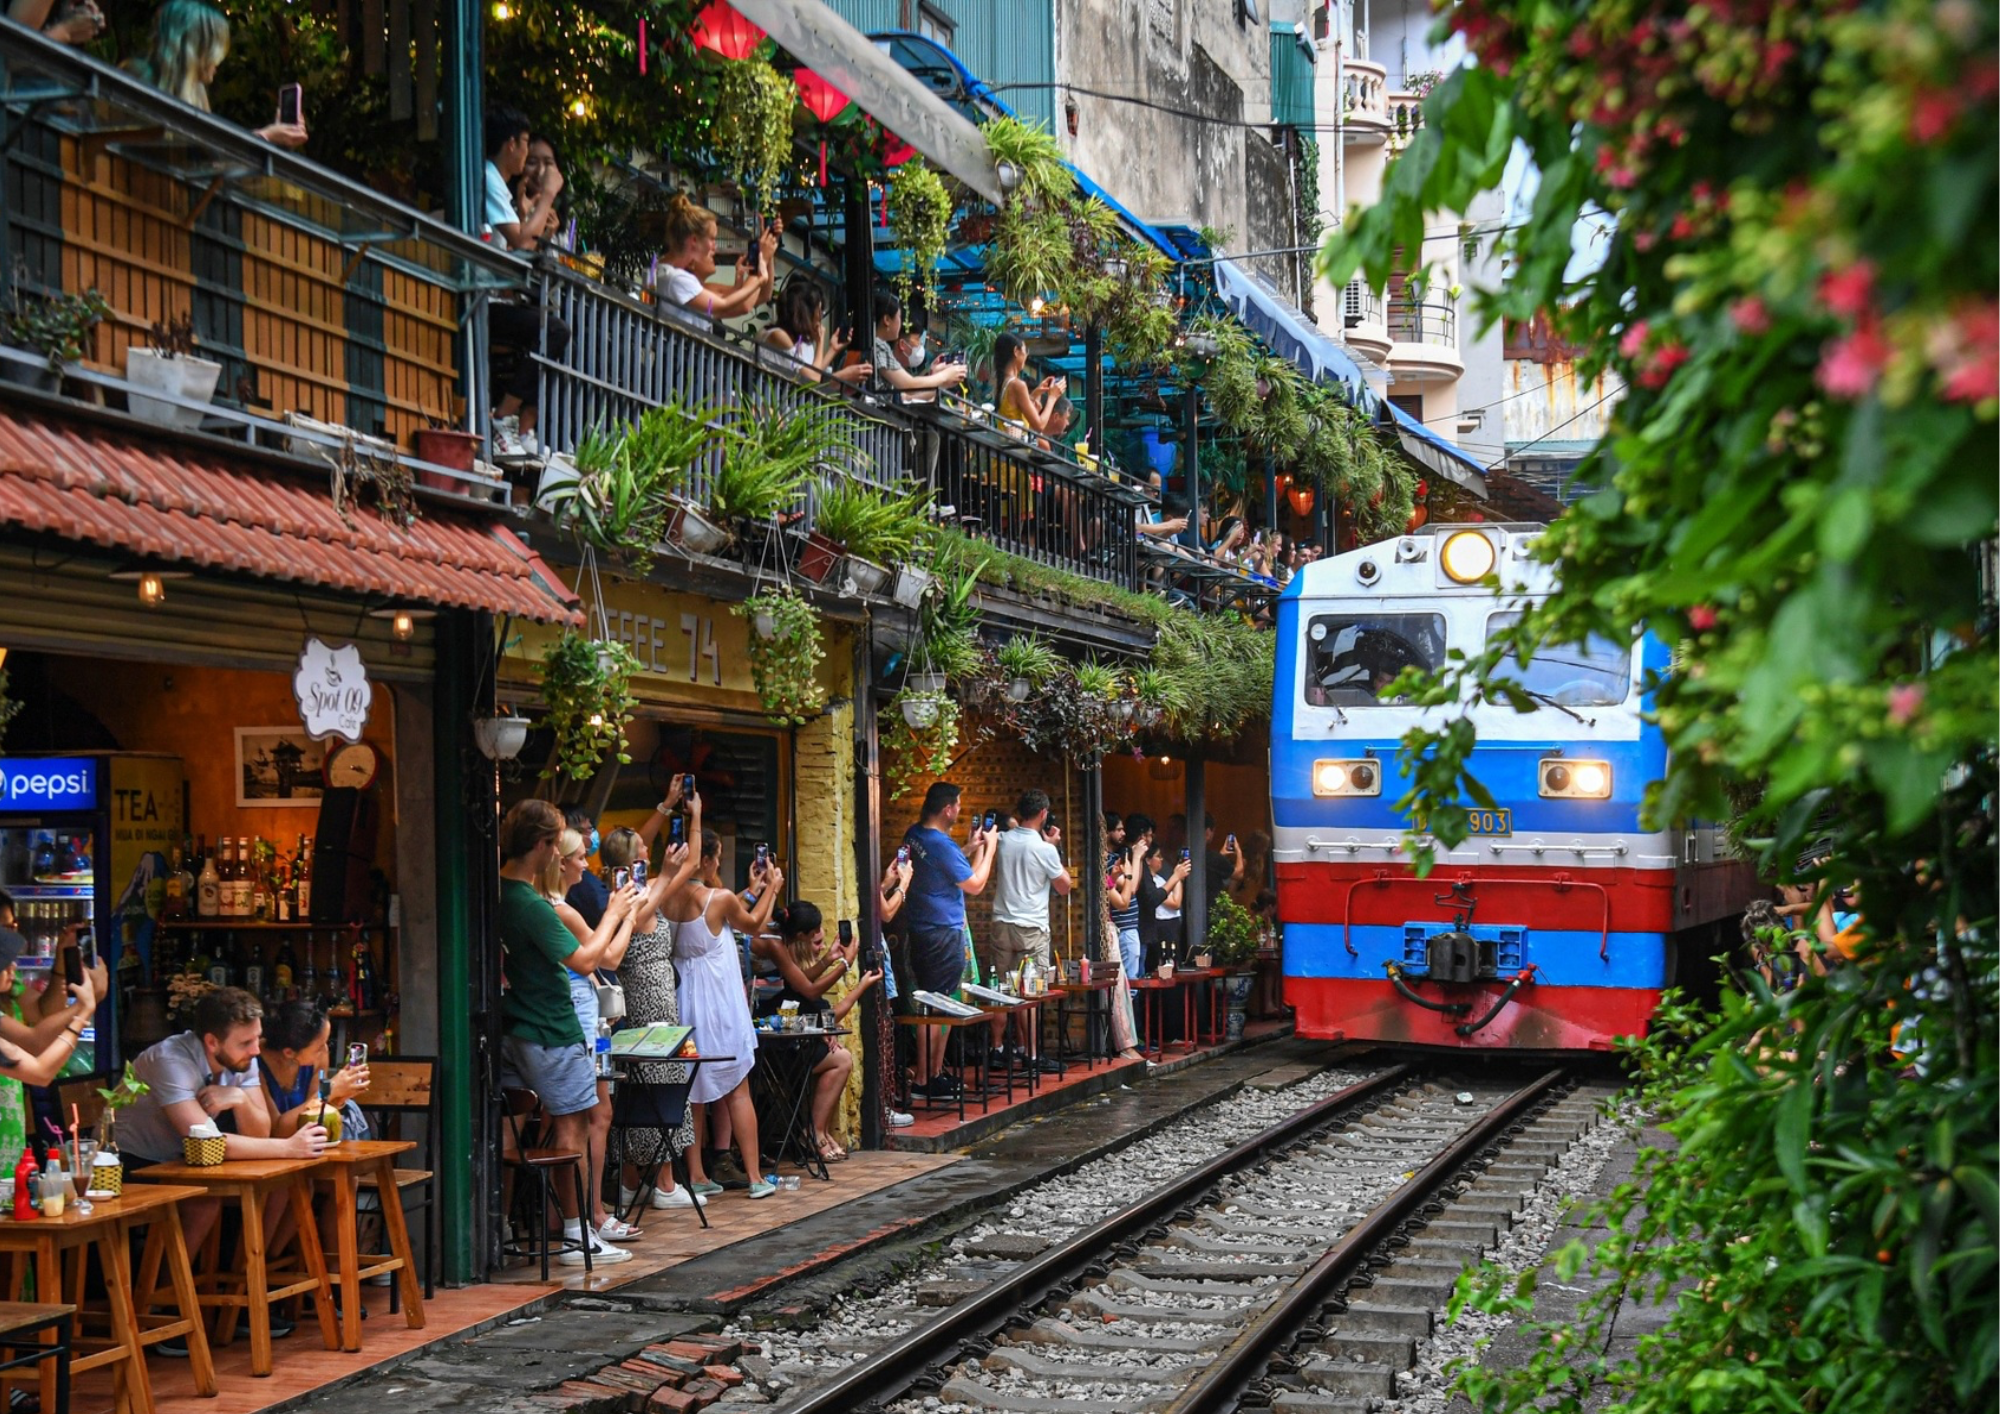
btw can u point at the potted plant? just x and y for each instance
(171, 366)
(876, 528)
(1233, 938)
(1027, 661)
(919, 209)
(767, 458)
(922, 735)
(56, 326)
(621, 498)
(441, 444)
(109, 1178)
(1155, 691)
(784, 662)
(587, 688)
(750, 129)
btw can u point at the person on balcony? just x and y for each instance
(75, 23)
(690, 260)
(890, 374)
(190, 41)
(519, 326)
(801, 331)
(1033, 408)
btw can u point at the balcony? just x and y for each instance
(1364, 106)
(1424, 341)
(337, 315)
(1405, 114)
(1365, 319)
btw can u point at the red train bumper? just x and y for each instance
(1538, 1018)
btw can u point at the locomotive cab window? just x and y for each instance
(1352, 658)
(1597, 673)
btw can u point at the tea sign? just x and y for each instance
(333, 691)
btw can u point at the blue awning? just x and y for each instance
(1292, 334)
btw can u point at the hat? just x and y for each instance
(12, 945)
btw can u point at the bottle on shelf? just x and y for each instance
(246, 880)
(253, 972)
(263, 904)
(309, 979)
(225, 870)
(218, 962)
(302, 873)
(284, 971)
(175, 904)
(208, 890)
(44, 862)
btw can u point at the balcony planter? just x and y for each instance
(178, 375)
(912, 583)
(37, 375)
(921, 709)
(692, 530)
(817, 557)
(866, 577)
(447, 447)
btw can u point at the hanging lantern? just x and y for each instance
(821, 98)
(720, 28)
(1417, 519)
(895, 152)
(1300, 494)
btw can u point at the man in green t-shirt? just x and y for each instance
(542, 1047)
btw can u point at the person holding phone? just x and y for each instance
(689, 260)
(814, 972)
(190, 39)
(293, 1062)
(934, 919)
(34, 1052)
(800, 330)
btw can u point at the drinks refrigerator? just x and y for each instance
(86, 838)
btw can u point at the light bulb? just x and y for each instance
(503, 12)
(152, 590)
(403, 625)
(597, 719)
(1035, 307)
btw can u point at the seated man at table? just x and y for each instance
(209, 1072)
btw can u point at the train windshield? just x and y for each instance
(1351, 658)
(1597, 673)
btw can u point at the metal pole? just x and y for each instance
(858, 263)
(1191, 464)
(868, 865)
(1093, 391)
(1093, 862)
(464, 114)
(460, 687)
(1195, 891)
(1270, 492)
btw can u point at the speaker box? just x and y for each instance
(343, 853)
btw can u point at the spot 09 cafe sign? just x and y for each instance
(333, 691)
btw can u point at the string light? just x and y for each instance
(503, 12)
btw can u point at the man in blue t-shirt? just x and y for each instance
(934, 917)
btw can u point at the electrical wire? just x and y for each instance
(1516, 451)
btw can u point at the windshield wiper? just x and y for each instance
(1563, 707)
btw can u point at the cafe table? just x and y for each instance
(792, 1079)
(1152, 992)
(40, 1244)
(347, 1164)
(250, 1183)
(978, 1041)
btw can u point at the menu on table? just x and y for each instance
(658, 1042)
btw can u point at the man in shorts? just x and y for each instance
(542, 1046)
(1030, 866)
(934, 918)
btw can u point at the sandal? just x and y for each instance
(830, 1151)
(617, 1230)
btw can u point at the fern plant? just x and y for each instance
(874, 525)
(619, 500)
(1035, 155)
(769, 456)
(1027, 657)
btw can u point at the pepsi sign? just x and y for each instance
(48, 783)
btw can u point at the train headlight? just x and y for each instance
(1467, 556)
(1577, 780)
(1347, 778)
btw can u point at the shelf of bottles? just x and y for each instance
(240, 915)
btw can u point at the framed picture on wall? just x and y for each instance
(278, 768)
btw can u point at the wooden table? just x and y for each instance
(250, 1182)
(108, 1227)
(26, 1326)
(1152, 989)
(347, 1163)
(984, 1019)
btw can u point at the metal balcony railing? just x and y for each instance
(1415, 322)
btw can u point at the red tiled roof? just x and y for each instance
(210, 510)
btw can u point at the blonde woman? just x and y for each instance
(690, 259)
(190, 41)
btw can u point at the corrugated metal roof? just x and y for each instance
(208, 510)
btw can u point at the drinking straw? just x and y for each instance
(75, 1136)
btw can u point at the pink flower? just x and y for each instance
(1750, 315)
(1904, 700)
(1932, 116)
(1634, 339)
(1848, 292)
(1971, 368)
(1661, 366)
(1701, 618)
(1850, 366)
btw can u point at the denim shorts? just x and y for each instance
(565, 1077)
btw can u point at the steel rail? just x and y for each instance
(887, 1374)
(1223, 1383)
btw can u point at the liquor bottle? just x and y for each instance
(284, 971)
(309, 979)
(281, 888)
(175, 904)
(225, 872)
(361, 975)
(245, 879)
(208, 892)
(201, 957)
(263, 906)
(302, 871)
(190, 870)
(249, 968)
(218, 962)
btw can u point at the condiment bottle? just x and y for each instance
(24, 1182)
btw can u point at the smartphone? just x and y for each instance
(763, 854)
(620, 877)
(639, 873)
(357, 1055)
(86, 945)
(1184, 854)
(291, 105)
(756, 250)
(991, 817)
(1231, 842)
(72, 966)
(687, 785)
(846, 933)
(677, 831)
(903, 855)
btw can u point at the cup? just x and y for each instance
(1166, 972)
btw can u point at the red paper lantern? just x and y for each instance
(1301, 497)
(720, 28)
(1417, 519)
(895, 152)
(821, 98)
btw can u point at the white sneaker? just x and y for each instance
(899, 1120)
(602, 1253)
(678, 1197)
(508, 444)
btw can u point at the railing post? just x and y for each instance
(1191, 464)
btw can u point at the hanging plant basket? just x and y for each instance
(586, 685)
(866, 576)
(691, 529)
(920, 709)
(785, 652)
(925, 684)
(765, 624)
(912, 583)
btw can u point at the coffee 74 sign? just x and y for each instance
(333, 691)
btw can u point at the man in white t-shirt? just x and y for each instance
(521, 326)
(1028, 868)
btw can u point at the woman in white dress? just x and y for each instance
(714, 1003)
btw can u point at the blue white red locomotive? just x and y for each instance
(1557, 922)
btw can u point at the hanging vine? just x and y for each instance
(920, 210)
(785, 663)
(587, 689)
(752, 124)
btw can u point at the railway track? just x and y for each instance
(1229, 1287)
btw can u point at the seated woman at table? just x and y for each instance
(801, 331)
(811, 967)
(652, 999)
(301, 1087)
(690, 259)
(1030, 407)
(705, 916)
